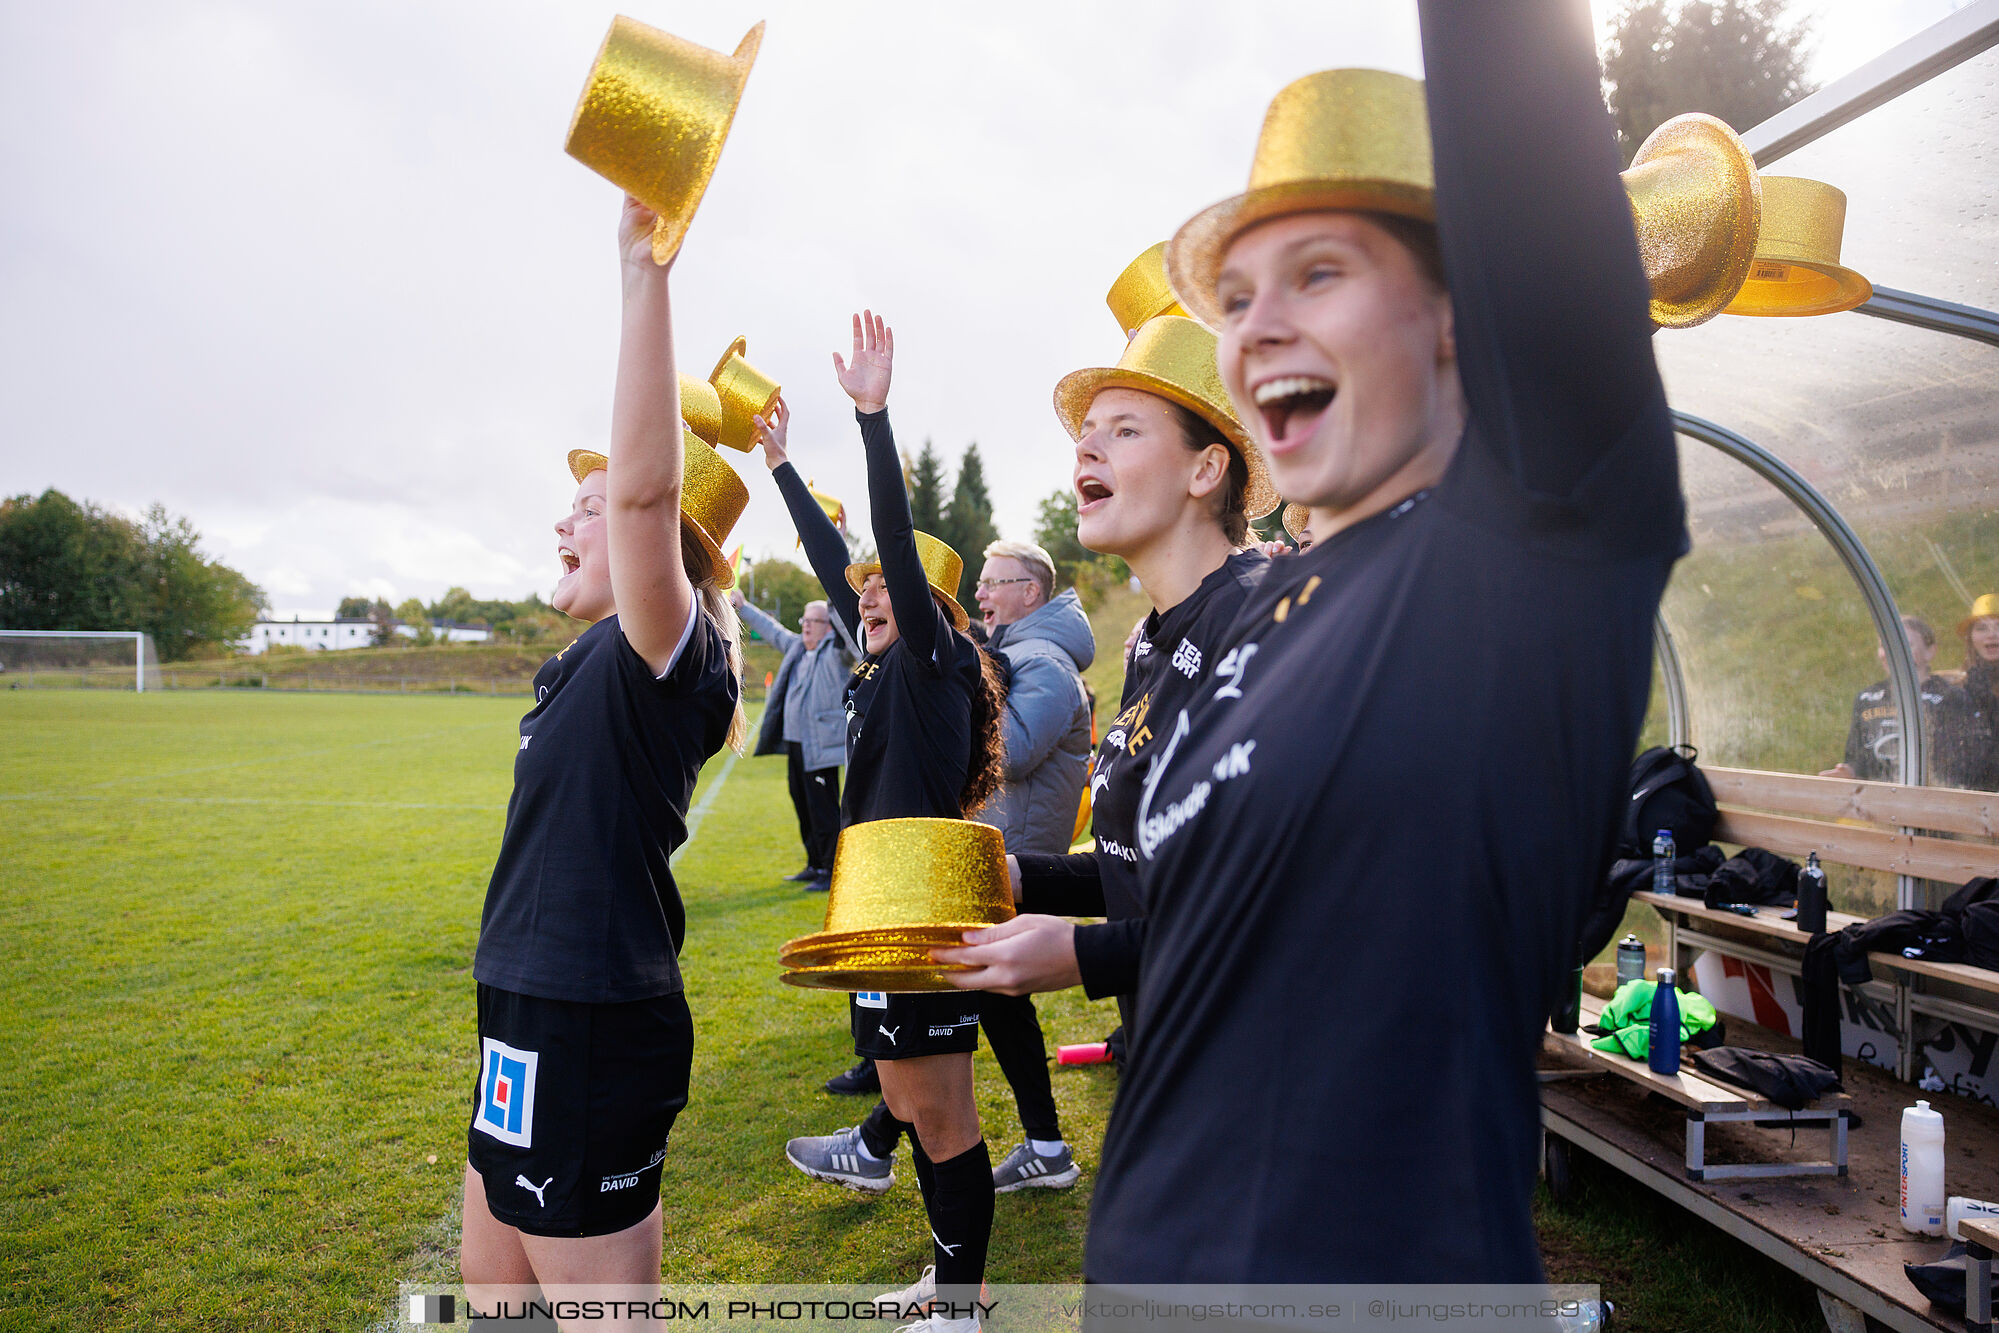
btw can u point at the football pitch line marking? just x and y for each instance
(287, 757)
(707, 801)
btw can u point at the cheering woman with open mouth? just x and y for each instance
(923, 741)
(1365, 845)
(584, 1036)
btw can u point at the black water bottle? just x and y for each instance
(1811, 897)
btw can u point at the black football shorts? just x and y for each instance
(573, 1106)
(901, 1026)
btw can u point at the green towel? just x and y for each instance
(1627, 1020)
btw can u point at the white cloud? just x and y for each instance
(320, 276)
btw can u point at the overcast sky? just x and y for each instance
(320, 277)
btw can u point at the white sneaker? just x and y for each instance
(937, 1323)
(916, 1296)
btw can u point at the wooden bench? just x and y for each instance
(1709, 1101)
(1794, 815)
(1981, 1239)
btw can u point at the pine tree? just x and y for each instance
(926, 492)
(969, 522)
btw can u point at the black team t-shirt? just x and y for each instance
(909, 711)
(1175, 653)
(1365, 847)
(582, 904)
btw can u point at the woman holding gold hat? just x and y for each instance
(585, 1039)
(923, 740)
(1360, 898)
(1165, 478)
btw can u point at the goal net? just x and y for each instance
(78, 659)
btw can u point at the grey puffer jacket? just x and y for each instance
(826, 669)
(1047, 726)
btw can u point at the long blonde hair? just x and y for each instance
(721, 614)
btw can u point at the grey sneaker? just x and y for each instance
(1024, 1168)
(836, 1159)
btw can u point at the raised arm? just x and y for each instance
(918, 619)
(825, 548)
(1549, 299)
(648, 578)
(765, 624)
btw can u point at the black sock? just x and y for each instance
(881, 1130)
(960, 1204)
(926, 1173)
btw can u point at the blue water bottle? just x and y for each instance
(1664, 1037)
(1662, 862)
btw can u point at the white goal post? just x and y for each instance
(78, 658)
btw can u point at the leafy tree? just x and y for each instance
(781, 588)
(926, 492)
(71, 566)
(411, 612)
(1734, 59)
(1055, 533)
(352, 608)
(968, 524)
(1076, 564)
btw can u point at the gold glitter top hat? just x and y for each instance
(892, 873)
(1338, 139)
(1141, 292)
(1797, 270)
(1986, 606)
(1697, 205)
(701, 408)
(1173, 358)
(712, 497)
(654, 116)
(941, 566)
(1296, 518)
(744, 392)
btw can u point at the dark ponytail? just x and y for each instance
(988, 765)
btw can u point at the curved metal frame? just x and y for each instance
(1902, 680)
(1679, 722)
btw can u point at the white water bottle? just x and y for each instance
(1960, 1209)
(1922, 1170)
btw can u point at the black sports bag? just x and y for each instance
(1668, 791)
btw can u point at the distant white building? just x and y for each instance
(333, 635)
(448, 631)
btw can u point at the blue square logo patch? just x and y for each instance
(871, 999)
(506, 1093)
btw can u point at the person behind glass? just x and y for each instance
(1973, 719)
(1165, 478)
(584, 1034)
(1874, 737)
(923, 741)
(1447, 355)
(806, 719)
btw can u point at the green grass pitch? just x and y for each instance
(236, 936)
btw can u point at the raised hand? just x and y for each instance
(866, 380)
(771, 432)
(635, 237)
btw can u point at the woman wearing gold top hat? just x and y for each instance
(585, 1039)
(924, 741)
(1364, 883)
(1165, 478)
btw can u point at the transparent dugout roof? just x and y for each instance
(1896, 426)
